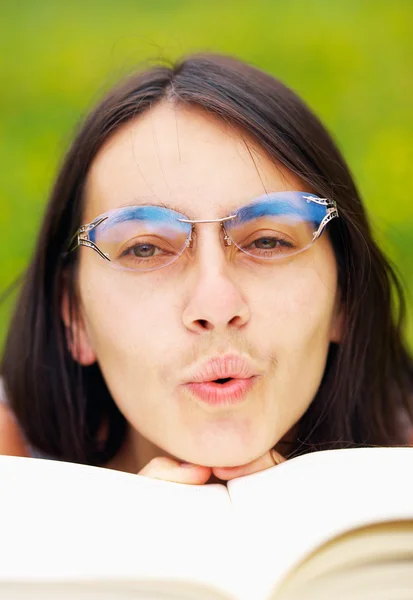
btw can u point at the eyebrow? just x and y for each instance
(149, 201)
(248, 205)
(154, 201)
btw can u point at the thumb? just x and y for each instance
(168, 469)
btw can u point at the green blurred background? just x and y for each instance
(351, 60)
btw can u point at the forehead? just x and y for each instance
(183, 158)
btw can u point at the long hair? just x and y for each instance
(366, 390)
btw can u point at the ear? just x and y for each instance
(338, 323)
(77, 338)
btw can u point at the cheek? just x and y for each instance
(293, 316)
(125, 319)
(298, 302)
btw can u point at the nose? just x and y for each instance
(215, 300)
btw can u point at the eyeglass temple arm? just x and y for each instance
(83, 240)
(332, 212)
(72, 245)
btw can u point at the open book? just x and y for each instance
(329, 525)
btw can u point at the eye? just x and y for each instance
(269, 243)
(265, 242)
(143, 250)
(145, 254)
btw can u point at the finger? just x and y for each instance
(168, 469)
(269, 459)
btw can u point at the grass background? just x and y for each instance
(351, 60)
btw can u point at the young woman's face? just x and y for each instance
(152, 332)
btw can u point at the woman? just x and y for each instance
(205, 288)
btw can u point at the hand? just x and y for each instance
(269, 459)
(169, 469)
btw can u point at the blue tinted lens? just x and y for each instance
(287, 205)
(142, 238)
(276, 225)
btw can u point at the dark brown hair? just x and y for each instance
(366, 391)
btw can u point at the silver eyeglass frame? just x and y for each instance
(82, 234)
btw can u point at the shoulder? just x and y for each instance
(11, 440)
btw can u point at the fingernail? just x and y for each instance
(185, 464)
(277, 458)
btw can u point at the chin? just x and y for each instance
(222, 458)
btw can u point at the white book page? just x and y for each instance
(288, 510)
(61, 521)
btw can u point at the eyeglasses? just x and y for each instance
(144, 238)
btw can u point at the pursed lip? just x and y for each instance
(229, 366)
